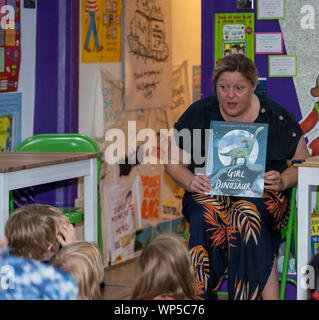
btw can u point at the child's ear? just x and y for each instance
(49, 254)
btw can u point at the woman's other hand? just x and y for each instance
(274, 181)
(200, 184)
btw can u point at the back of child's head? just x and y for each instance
(32, 229)
(165, 270)
(83, 260)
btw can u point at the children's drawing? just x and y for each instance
(147, 32)
(90, 10)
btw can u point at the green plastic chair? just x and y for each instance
(287, 233)
(65, 142)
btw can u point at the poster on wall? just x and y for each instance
(10, 45)
(234, 33)
(101, 29)
(270, 9)
(282, 66)
(148, 56)
(10, 121)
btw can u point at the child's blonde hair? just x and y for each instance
(32, 229)
(83, 260)
(165, 270)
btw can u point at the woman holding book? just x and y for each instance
(236, 235)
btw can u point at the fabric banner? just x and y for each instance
(150, 195)
(108, 104)
(101, 30)
(122, 211)
(148, 61)
(10, 45)
(171, 198)
(180, 92)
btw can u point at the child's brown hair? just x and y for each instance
(83, 260)
(32, 229)
(165, 270)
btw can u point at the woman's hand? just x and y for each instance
(67, 235)
(274, 181)
(199, 184)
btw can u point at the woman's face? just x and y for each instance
(234, 93)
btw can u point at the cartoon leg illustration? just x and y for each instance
(311, 120)
(91, 8)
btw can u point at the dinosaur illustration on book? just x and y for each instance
(242, 152)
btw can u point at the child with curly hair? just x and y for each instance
(83, 260)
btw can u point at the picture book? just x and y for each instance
(236, 158)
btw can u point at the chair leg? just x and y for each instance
(290, 230)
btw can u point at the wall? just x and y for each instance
(27, 69)
(186, 17)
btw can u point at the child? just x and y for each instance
(36, 231)
(165, 271)
(32, 280)
(83, 260)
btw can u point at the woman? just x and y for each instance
(239, 236)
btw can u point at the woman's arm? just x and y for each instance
(289, 177)
(183, 176)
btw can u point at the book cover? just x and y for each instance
(234, 33)
(236, 158)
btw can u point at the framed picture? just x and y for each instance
(30, 4)
(269, 43)
(282, 66)
(245, 4)
(274, 9)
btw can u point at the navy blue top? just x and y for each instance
(284, 131)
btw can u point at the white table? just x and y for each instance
(308, 180)
(26, 169)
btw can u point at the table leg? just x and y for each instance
(4, 202)
(90, 203)
(305, 176)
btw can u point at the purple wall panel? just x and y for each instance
(281, 90)
(56, 87)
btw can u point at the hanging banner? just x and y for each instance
(101, 30)
(123, 212)
(10, 44)
(234, 33)
(148, 54)
(180, 92)
(108, 104)
(171, 198)
(150, 195)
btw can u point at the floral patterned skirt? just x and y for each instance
(237, 236)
